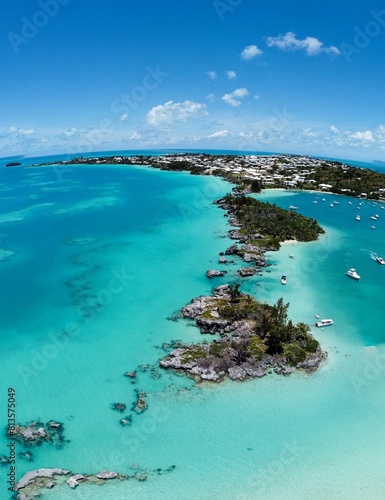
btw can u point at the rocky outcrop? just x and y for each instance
(247, 271)
(36, 433)
(241, 352)
(212, 273)
(236, 373)
(74, 480)
(31, 476)
(236, 235)
(105, 474)
(33, 483)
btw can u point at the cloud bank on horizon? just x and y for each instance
(307, 81)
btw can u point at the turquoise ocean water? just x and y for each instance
(94, 262)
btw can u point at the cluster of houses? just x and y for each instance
(287, 171)
(272, 170)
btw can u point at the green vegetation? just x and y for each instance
(345, 179)
(194, 353)
(272, 221)
(266, 330)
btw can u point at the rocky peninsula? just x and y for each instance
(255, 338)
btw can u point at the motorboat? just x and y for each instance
(291, 256)
(352, 273)
(373, 217)
(315, 202)
(331, 204)
(336, 202)
(372, 227)
(292, 207)
(349, 202)
(380, 260)
(358, 217)
(283, 280)
(324, 322)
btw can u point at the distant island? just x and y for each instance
(255, 172)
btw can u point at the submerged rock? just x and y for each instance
(118, 406)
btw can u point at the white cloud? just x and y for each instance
(334, 129)
(256, 97)
(231, 75)
(18, 130)
(170, 112)
(220, 133)
(210, 97)
(123, 117)
(363, 136)
(212, 75)
(26, 131)
(311, 45)
(250, 52)
(135, 136)
(233, 98)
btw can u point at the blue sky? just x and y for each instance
(261, 75)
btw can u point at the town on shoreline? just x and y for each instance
(255, 172)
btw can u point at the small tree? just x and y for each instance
(235, 292)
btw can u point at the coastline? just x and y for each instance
(290, 242)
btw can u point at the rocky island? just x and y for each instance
(255, 338)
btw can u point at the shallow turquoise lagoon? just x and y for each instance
(98, 260)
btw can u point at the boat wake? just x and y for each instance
(373, 255)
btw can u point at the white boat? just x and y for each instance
(283, 280)
(324, 322)
(358, 217)
(323, 199)
(292, 207)
(372, 227)
(373, 217)
(336, 202)
(380, 260)
(352, 273)
(291, 256)
(331, 204)
(315, 202)
(382, 207)
(349, 202)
